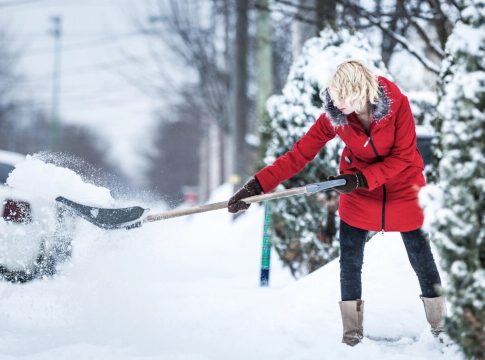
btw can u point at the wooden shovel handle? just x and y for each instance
(223, 204)
(308, 189)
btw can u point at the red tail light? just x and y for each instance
(17, 211)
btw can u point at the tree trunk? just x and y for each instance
(302, 31)
(326, 14)
(264, 61)
(225, 133)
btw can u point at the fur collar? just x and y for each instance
(337, 118)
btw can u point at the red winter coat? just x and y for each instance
(386, 155)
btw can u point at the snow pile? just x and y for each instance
(187, 288)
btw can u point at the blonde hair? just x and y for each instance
(355, 82)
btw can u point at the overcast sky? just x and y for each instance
(95, 36)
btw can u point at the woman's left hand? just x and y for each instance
(353, 181)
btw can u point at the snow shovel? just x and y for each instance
(135, 216)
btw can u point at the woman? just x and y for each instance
(384, 173)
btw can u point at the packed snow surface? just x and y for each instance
(188, 288)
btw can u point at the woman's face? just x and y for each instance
(345, 106)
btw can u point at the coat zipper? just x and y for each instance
(384, 192)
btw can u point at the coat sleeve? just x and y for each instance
(402, 154)
(293, 161)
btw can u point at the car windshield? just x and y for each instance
(5, 169)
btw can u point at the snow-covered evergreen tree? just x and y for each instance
(455, 206)
(304, 234)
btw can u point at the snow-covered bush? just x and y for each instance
(305, 227)
(455, 206)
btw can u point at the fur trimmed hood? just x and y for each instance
(337, 118)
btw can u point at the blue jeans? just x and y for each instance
(352, 243)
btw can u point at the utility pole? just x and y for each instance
(56, 32)
(239, 94)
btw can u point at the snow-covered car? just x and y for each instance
(35, 234)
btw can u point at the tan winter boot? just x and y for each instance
(435, 309)
(352, 319)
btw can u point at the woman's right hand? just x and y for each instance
(251, 188)
(352, 182)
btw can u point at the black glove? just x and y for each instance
(251, 188)
(354, 181)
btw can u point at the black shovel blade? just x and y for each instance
(107, 218)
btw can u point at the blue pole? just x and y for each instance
(266, 251)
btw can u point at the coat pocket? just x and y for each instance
(349, 163)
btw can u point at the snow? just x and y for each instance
(50, 181)
(187, 288)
